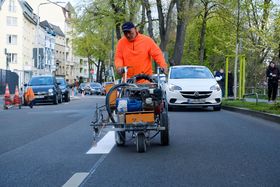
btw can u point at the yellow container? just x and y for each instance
(113, 95)
(145, 117)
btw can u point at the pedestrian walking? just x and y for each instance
(220, 77)
(272, 74)
(230, 84)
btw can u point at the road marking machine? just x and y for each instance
(136, 110)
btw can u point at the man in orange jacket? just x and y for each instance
(135, 50)
(30, 97)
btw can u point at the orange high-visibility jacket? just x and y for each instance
(137, 55)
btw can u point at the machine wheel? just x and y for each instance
(217, 108)
(120, 138)
(141, 142)
(164, 135)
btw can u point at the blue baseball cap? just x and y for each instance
(127, 26)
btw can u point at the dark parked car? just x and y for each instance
(104, 85)
(65, 88)
(46, 89)
(93, 88)
(82, 87)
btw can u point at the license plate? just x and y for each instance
(196, 100)
(39, 96)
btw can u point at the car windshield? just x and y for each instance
(190, 73)
(61, 81)
(95, 85)
(37, 81)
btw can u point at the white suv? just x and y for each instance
(192, 86)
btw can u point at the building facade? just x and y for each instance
(28, 48)
(17, 31)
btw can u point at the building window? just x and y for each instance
(11, 21)
(12, 6)
(12, 39)
(12, 58)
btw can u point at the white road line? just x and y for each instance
(76, 180)
(105, 145)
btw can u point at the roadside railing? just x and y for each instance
(256, 97)
(262, 90)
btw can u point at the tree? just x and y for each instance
(208, 8)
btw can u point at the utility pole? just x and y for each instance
(7, 65)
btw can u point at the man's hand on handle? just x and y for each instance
(164, 70)
(120, 70)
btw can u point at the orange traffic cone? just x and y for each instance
(17, 100)
(7, 97)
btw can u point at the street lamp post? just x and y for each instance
(39, 65)
(7, 65)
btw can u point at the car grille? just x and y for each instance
(196, 94)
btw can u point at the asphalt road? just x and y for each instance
(48, 146)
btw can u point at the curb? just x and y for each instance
(270, 117)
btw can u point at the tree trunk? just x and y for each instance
(164, 28)
(182, 19)
(119, 10)
(98, 71)
(141, 27)
(203, 33)
(202, 41)
(149, 16)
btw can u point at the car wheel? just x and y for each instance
(67, 98)
(55, 100)
(217, 108)
(170, 108)
(60, 99)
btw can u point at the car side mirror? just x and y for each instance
(58, 83)
(25, 85)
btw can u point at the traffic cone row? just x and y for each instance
(8, 102)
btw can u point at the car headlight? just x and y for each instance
(173, 87)
(215, 87)
(50, 91)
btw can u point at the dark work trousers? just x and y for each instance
(32, 103)
(272, 90)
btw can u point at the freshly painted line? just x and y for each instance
(105, 145)
(76, 180)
